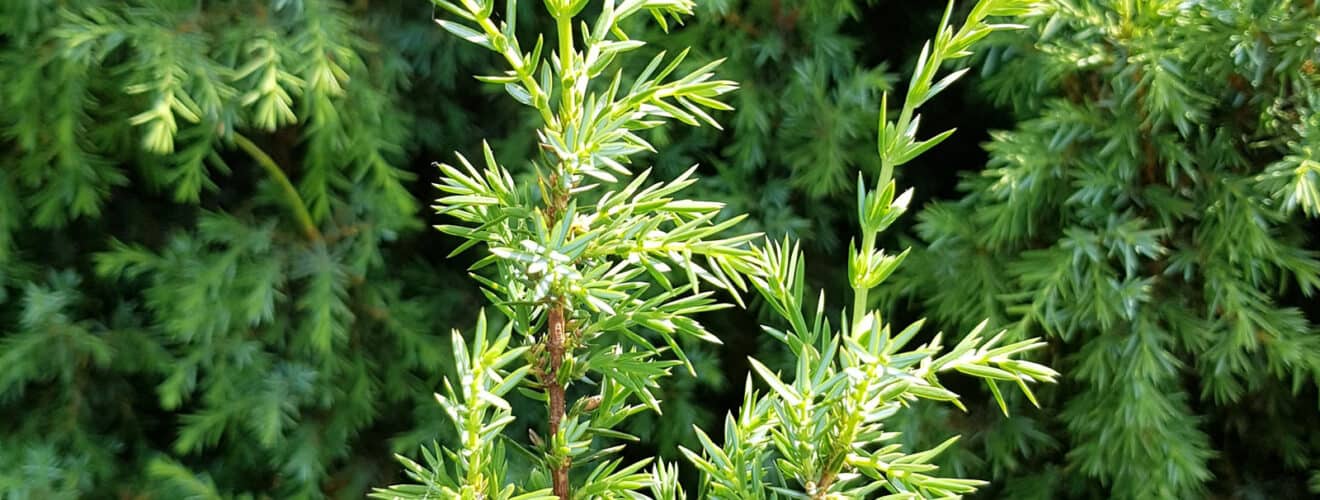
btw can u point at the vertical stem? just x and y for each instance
(555, 324)
(886, 173)
(555, 345)
(564, 26)
(861, 293)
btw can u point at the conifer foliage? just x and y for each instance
(802, 126)
(1150, 215)
(805, 110)
(597, 272)
(195, 204)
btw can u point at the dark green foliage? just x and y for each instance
(162, 294)
(197, 202)
(805, 119)
(169, 325)
(593, 272)
(1149, 214)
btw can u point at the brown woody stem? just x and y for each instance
(555, 345)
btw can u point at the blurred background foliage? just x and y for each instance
(1151, 212)
(217, 278)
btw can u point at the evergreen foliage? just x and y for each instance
(214, 282)
(805, 111)
(800, 76)
(1150, 215)
(597, 272)
(155, 267)
(196, 204)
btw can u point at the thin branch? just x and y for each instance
(291, 195)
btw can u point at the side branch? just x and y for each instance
(291, 195)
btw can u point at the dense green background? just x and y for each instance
(170, 326)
